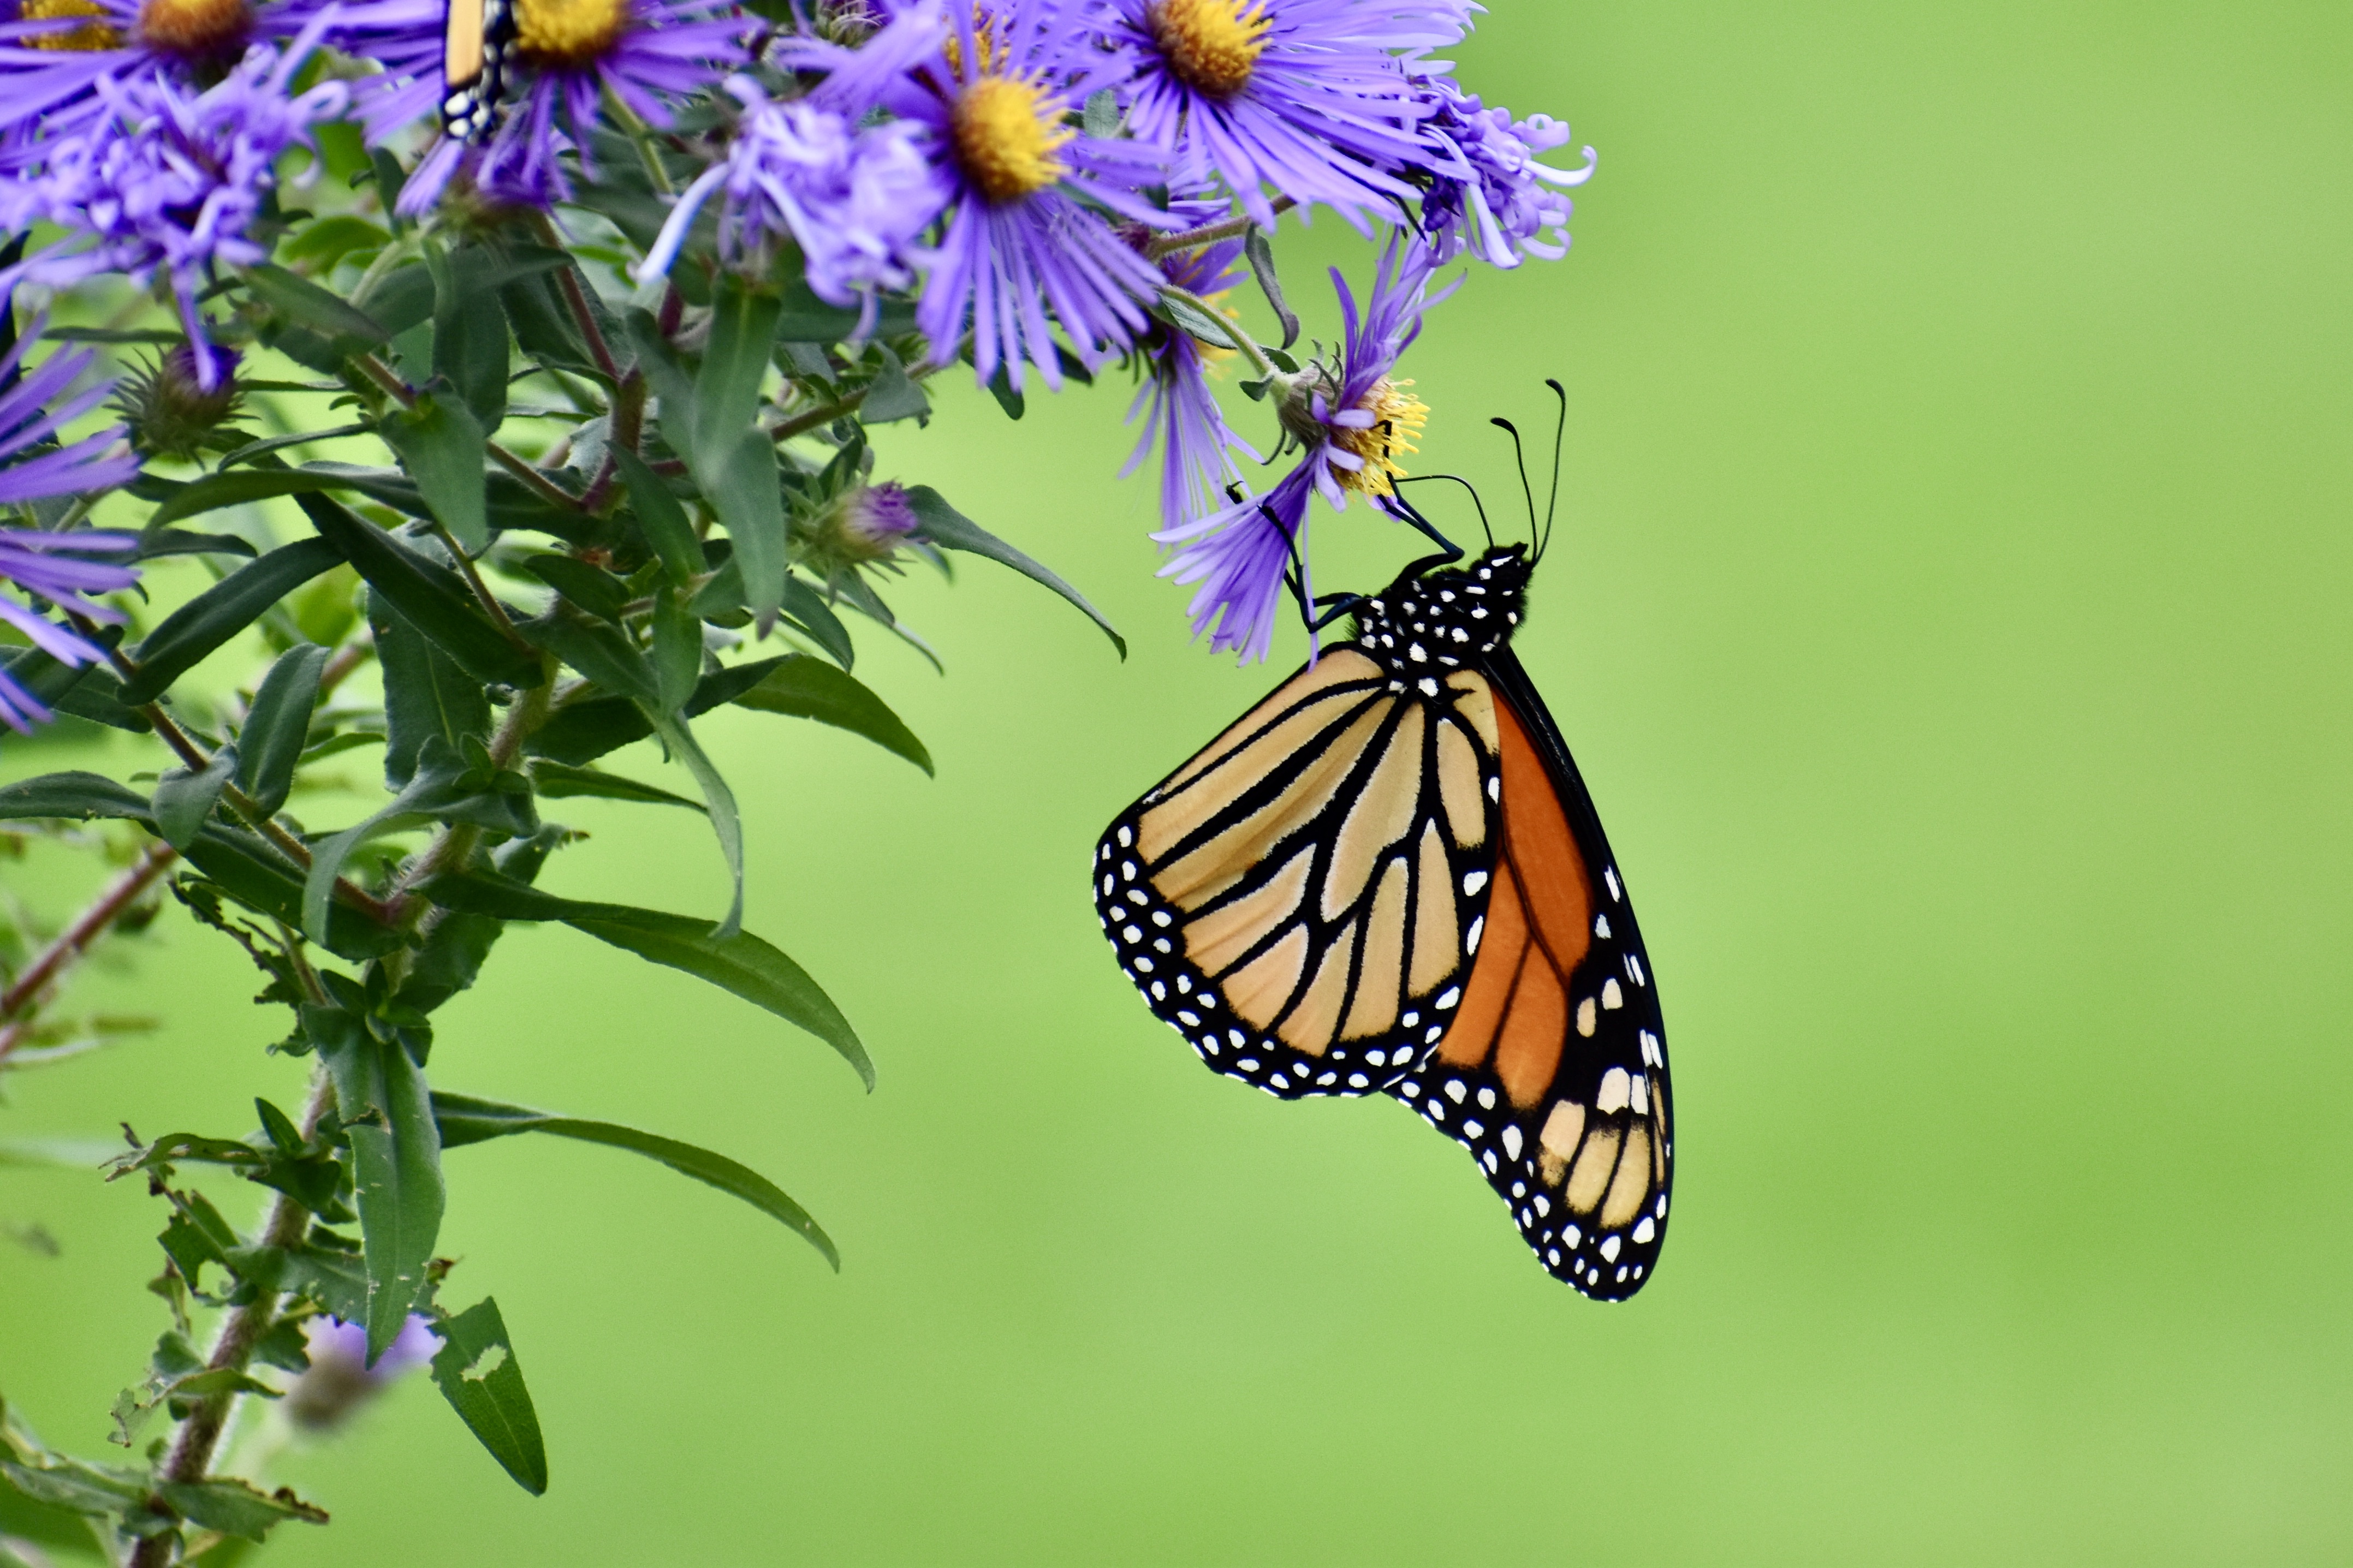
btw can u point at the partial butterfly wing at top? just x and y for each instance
(1384, 877)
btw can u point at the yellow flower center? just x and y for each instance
(568, 33)
(193, 27)
(1211, 45)
(1397, 418)
(1007, 134)
(90, 35)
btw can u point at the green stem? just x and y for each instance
(192, 1448)
(1208, 234)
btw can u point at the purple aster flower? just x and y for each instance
(1351, 420)
(165, 180)
(1022, 237)
(1180, 410)
(1309, 99)
(1488, 193)
(855, 200)
(569, 53)
(55, 53)
(339, 1379)
(51, 564)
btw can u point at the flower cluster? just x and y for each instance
(1047, 185)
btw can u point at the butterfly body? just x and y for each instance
(1388, 878)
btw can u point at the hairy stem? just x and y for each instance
(800, 424)
(1235, 336)
(483, 594)
(1208, 234)
(192, 1449)
(25, 994)
(568, 280)
(548, 489)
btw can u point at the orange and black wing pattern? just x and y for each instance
(1554, 1071)
(1298, 900)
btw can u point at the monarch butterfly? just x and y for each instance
(1388, 877)
(476, 35)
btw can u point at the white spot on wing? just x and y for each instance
(1614, 1091)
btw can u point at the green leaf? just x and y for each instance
(184, 799)
(458, 944)
(86, 692)
(328, 240)
(70, 1483)
(810, 688)
(443, 789)
(1212, 329)
(950, 529)
(599, 651)
(234, 1508)
(220, 611)
(805, 318)
(805, 609)
(465, 1119)
(554, 780)
(387, 1114)
(1009, 397)
(403, 298)
(425, 693)
(441, 443)
(303, 303)
(268, 443)
(250, 870)
(477, 1372)
(277, 725)
(158, 542)
(469, 345)
(725, 823)
(668, 533)
(1101, 114)
(599, 592)
(585, 728)
(70, 797)
(741, 963)
(678, 651)
(435, 599)
(735, 363)
(894, 395)
(734, 466)
(1262, 261)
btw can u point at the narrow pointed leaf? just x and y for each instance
(435, 599)
(741, 963)
(75, 796)
(556, 781)
(425, 693)
(465, 1119)
(278, 722)
(1262, 261)
(220, 611)
(678, 651)
(725, 823)
(668, 533)
(184, 799)
(810, 688)
(950, 529)
(477, 1372)
(302, 302)
(387, 1114)
(441, 443)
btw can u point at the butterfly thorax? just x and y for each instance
(1447, 618)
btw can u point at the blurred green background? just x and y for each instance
(1950, 618)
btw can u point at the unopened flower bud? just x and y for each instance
(862, 525)
(172, 405)
(339, 1379)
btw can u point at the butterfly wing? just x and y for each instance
(475, 37)
(1554, 1073)
(1297, 899)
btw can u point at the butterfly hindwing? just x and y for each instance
(1296, 899)
(476, 39)
(1554, 1073)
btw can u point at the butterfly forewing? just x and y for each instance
(1296, 899)
(1554, 1073)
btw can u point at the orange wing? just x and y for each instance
(1554, 1073)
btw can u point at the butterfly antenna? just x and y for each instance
(1559, 430)
(1466, 484)
(1520, 456)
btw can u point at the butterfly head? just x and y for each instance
(1450, 617)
